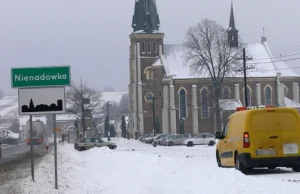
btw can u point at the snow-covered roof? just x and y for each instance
(60, 117)
(9, 106)
(262, 62)
(290, 103)
(23, 119)
(66, 117)
(142, 32)
(229, 104)
(112, 96)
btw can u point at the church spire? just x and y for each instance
(145, 18)
(231, 21)
(232, 31)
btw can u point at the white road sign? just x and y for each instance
(36, 101)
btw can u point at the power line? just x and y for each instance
(293, 59)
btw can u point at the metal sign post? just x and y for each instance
(31, 148)
(41, 90)
(55, 151)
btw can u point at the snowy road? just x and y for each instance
(12, 152)
(137, 168)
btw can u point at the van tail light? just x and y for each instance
(246, 140)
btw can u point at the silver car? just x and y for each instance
(90, 142)
(177, 139)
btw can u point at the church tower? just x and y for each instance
(146, 46)
(232, 32)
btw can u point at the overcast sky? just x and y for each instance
(92, 36)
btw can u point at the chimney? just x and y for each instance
(258, 94)
(237, 91)
(295, 92)
(160, 50)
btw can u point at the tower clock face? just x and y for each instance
(149, 96)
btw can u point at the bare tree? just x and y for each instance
(83, 101)
(1, 94)
(208, 54)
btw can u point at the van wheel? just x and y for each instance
(82, 149)
(238, 165)
(190, 144)
(296, 168)
(219, 159)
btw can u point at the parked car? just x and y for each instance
(145, 139)
(163, 141)
(90, 142)
(177, 139)
(159, 138)
(201, 139)
(144, 136)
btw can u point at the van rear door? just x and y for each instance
(290, 131)
(265, 134)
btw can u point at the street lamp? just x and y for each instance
(108, 125)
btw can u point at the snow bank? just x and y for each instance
(137, 168)
(72, 175)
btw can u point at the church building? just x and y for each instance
(157, 71)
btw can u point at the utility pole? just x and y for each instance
(108, 132)
(153, 112)
(245, 77)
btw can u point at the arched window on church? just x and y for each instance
(143, 47)
(204, 103)
(248, 96)
(148, 73)
(268, 96)
(226, 93)
(182, 103)
(149, 47)
(285, 90)
(154, 46)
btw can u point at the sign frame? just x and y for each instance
(39, 68)
(64, 106)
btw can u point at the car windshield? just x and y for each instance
(197, 136)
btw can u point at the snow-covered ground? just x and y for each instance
(137, 168)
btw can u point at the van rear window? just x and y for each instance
(264, 121)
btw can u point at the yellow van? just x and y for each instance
(260, 137)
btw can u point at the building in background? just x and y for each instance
(157, 69)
